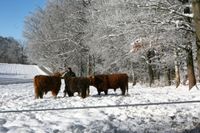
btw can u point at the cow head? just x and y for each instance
(95, 81)
(56, 74)
(91, 79)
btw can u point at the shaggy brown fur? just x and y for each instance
(43, 84)
(77, 84)
(100, 82)
(110, 81)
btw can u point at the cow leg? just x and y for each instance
(123, 90)
(99, 92)
(126, 89)
(36, 93)
(55, 96)
(53, 93)
(106, 92)
(87, 91)
(68, 91)
(70, 94)
(41, 93)
(83, 92)
(65, 92)
(36, 96)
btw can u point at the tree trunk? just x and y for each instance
(93, 65)
(177, 75)
(150, 54)
(158, 75)
(190, 69)
(169, 76)
(196, 14)
(198, 55)
(89, 67)
(150, 72)
(167, 79)
(177, 72)
(134, 78)
(81, 67)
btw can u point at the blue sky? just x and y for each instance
(12, 15)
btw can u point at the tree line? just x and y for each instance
(11, 51)
(95, 36)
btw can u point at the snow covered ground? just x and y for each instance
(162, 118)
(17, 73)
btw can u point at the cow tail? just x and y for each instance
(127, 88)
(35, 88)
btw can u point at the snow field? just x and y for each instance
(171, 118)
(156, 118)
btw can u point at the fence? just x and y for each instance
(97, 107)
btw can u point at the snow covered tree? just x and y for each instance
(95, 36)
(11, 51)
(54, 35)
(196, 16)
(176, 12)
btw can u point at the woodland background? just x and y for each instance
(154, 41)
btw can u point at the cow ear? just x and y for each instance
(91, 77)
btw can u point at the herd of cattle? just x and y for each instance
(43, 84)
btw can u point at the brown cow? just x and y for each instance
(110, 81)
(77, 84)
(43, 84)
(100, 82)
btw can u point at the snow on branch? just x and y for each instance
(170, 10)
